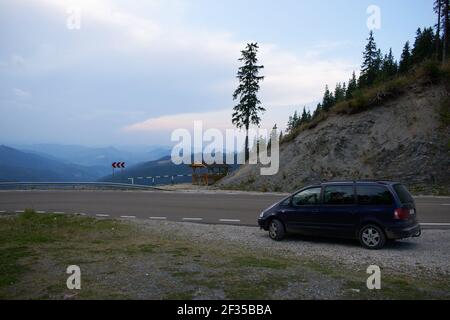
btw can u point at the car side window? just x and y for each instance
(374, 195)
(339, 195)
(307, 197)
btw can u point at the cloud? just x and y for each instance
(149, 58)
(219, 119)
(212, 119)
(21, 93)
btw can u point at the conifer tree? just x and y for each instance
(339, 93)
(371, 62)
(389, 66)
(352, 86)
(328, 99)
(405, 60)
(317, 111)
(424, 45)
(438, 9)
(446, 22)
(304, 119)
(247, 112)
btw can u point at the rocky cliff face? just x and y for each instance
(403, 140)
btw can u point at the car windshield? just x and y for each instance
(403, 194)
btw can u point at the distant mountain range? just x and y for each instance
(160, 167)
(91, 156)
(62, 163)
(16, 165)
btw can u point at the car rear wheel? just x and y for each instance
(372, 237)
(276, 230)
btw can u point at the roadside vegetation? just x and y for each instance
(131, 260)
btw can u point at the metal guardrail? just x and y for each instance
(17, 185)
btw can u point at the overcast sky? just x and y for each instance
(136, 70)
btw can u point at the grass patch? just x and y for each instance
(10, 268)
(255, 262)
(122, 260)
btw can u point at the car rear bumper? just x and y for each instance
(404, 232)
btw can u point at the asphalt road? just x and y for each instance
(221, 207)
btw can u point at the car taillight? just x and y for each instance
(402, 214)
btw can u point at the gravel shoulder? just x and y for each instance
(429, 254)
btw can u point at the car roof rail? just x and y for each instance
(358, 180)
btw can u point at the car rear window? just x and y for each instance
(339, 195)
(374, 195)
(403, 194)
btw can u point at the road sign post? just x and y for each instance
(118, 165)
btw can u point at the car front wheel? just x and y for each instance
(276, 230)
(372, 237)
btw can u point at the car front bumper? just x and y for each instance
(263, 224)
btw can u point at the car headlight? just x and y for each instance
(262, 214)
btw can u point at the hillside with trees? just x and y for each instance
(390, 121)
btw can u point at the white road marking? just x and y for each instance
(193, 219)
(82, 214)
(128, 217)
(445, 204)
(59, 212)
(19, 211)
(2, 211)
(102, 215)
(40, 211)
(436, 224)
(158, 218)
(229, 220)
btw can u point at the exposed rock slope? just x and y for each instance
(403, 140)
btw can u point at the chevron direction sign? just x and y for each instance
(116, 165)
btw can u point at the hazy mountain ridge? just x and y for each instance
(65, 163)
(160, 167)
(16, 165)
(97, 156)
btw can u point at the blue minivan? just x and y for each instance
(370, 211)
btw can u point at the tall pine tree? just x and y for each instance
(371, 62)
(438, 4)
(339, 93)
(389, 66)
(446, 22)
(405, 60)
(424, 45)
(247, 112)
(305, 118)
(318, 111)
(328, 99)
(352, 86)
